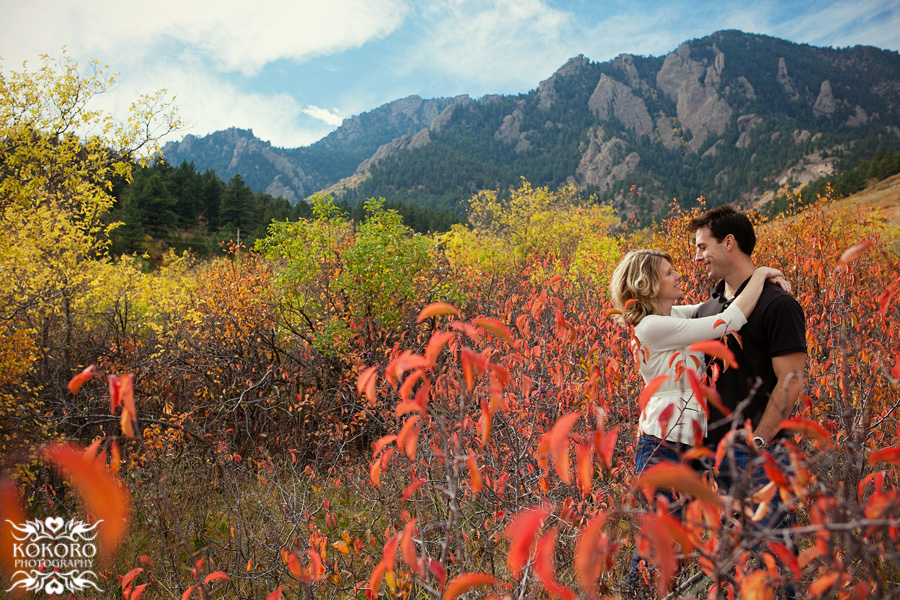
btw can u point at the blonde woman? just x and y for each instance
(645, 287)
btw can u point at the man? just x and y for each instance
(771, 353)
(771, 358)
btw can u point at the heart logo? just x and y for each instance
(54, 524)
(54, 586)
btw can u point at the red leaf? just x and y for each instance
(275, 595)
(406, 439)
(439, 572)
(436, 309)
(787, 558)
(808, 428)
(187, 593)
(129, 577)
(216, 575)
(375, 581)
(589, 557)
(545, 569)
(137, 592)
(484, 425)
(316, 571)
(366, 383)
(521, 532)
(697, 388)
(294, 566)
(584, 467)
(678, 477)
(495, 327)
(650, 389)
(408, 550)
(411, 488)
(473, 364)
(465, 582)
(474, 473)
(663, 550)
(890, 454)
(823, 584)
(389, 554)
(559, 444)
(76, 382)
(103, 495)
(852, 252)
(716, 349)
(664, 417)
(436, 344)
(607, 445)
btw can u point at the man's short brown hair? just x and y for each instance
(724, 221)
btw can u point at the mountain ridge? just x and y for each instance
(733, 116)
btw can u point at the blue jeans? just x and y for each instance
(648, 453)
(747, 475)
(743, 478)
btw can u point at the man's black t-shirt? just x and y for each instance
(775, 327)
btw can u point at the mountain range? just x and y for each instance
(734, 117)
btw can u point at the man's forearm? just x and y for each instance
(781, 405)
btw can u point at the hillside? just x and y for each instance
(731, 116)
(882, 199)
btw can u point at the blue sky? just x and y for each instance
(292, 70)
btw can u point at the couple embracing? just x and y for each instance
(770, 351)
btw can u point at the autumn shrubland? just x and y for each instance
(350, 409)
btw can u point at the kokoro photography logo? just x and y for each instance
(53, 555)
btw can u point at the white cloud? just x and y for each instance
(235, 35)
(497, 43)
(207, 103)
(323, 114)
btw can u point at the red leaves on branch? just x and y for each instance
(521, 532)
(716, 349)
(121, 393)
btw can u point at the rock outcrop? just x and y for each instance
(694, 88)
(785, 80)
(546, 92)
(605, 161)
(611, 98)
(825, 104)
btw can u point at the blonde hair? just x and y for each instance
(637, 278)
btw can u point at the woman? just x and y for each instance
(645, 287)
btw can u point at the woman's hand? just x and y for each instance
(776, 277)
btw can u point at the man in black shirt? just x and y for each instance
(771, 352)
(771, 358)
